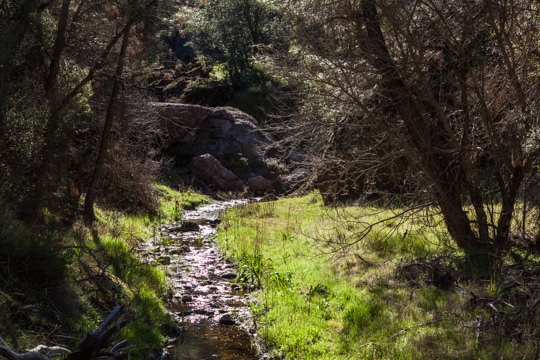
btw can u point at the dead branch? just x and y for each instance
(95, 344)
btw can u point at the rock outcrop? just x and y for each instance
(221, 147)
(213, 173)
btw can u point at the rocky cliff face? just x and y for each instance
(221, 148)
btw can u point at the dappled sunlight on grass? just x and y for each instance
(110, 271)
(331, 289)
(173, 202)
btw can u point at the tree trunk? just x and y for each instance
(46, 169)
(107, 129)
(509, 194)
(430, 138)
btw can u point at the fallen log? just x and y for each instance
(95, 344)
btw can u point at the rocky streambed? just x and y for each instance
(210, 308)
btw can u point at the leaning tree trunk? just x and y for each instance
(107, 129)
(442, 167)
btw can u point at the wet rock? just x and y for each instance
(227, 320)
(229, 275)
(179, 250)
(185, 226)
(189, 226)
(202, 297)
(166, 353)
(164, 260)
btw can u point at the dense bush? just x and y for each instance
(234, 32)
(26, 261)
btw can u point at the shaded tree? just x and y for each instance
(136, 13)
(236, 31)
(58, 54)
(447, 87)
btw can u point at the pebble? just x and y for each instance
(227, 320)
(166, 355)
(188, 226)
(165, 260)
(204, 281)
(229, 275)
(179, 250)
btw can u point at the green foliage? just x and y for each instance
(236, 31)
(110, 247)
(92, 269)
(143, 331)
(251, 271)
(27, 262)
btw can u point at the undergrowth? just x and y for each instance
(330, 289)
(55, 288)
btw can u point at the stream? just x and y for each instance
(210, 308)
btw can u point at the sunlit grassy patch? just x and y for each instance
(173, 202)
(329, 288)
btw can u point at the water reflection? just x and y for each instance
(208, 305)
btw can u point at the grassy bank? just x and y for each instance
(58, 287)
(395, 293)
(128, 279)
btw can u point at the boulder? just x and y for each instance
(222, 147)
(214, 174)
(296, 178)
(260, 185)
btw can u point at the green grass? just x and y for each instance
(105, 256)
(173, 202)
(317, 302)
(140, 284)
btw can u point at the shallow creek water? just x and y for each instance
(209, 306)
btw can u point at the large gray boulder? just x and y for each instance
(214, 143)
